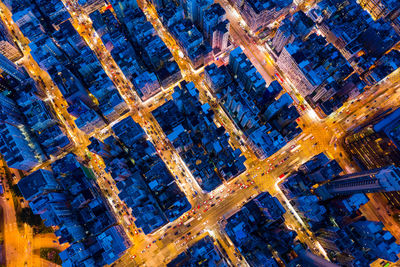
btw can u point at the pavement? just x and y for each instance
(209, 210)
(19, 244)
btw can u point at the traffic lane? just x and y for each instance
(208, 222)
(368, 112)
(210, 214)
(374, 97)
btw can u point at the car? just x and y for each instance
(213, 204)
(176, 233)
(133, 256)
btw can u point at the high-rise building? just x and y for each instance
(114, 242)
(259, 14)
(297, 26)
(122, 6)
(333, 239)
(147, 85)
(246, 73)
(15, 148)
(220, 39)
(377, 180)
(309, 208)
(376, 242)
(195, 10)
(9, 112)
(215, 27)
(7, 45)
(304, 63)
(55, 213)
(67, 199)
(37, 183)
(290, 66)
(160, 3)
(11, 69)
(390, 126)
(18, 148)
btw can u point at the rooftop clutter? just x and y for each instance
(202, 145)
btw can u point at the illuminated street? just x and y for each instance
(210, 211)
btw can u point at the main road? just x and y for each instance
(319, 135)
(209, 210)
(19, 242)
(316, 138)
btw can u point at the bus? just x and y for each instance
(279, 77)
(187, 223)
(307, 137)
